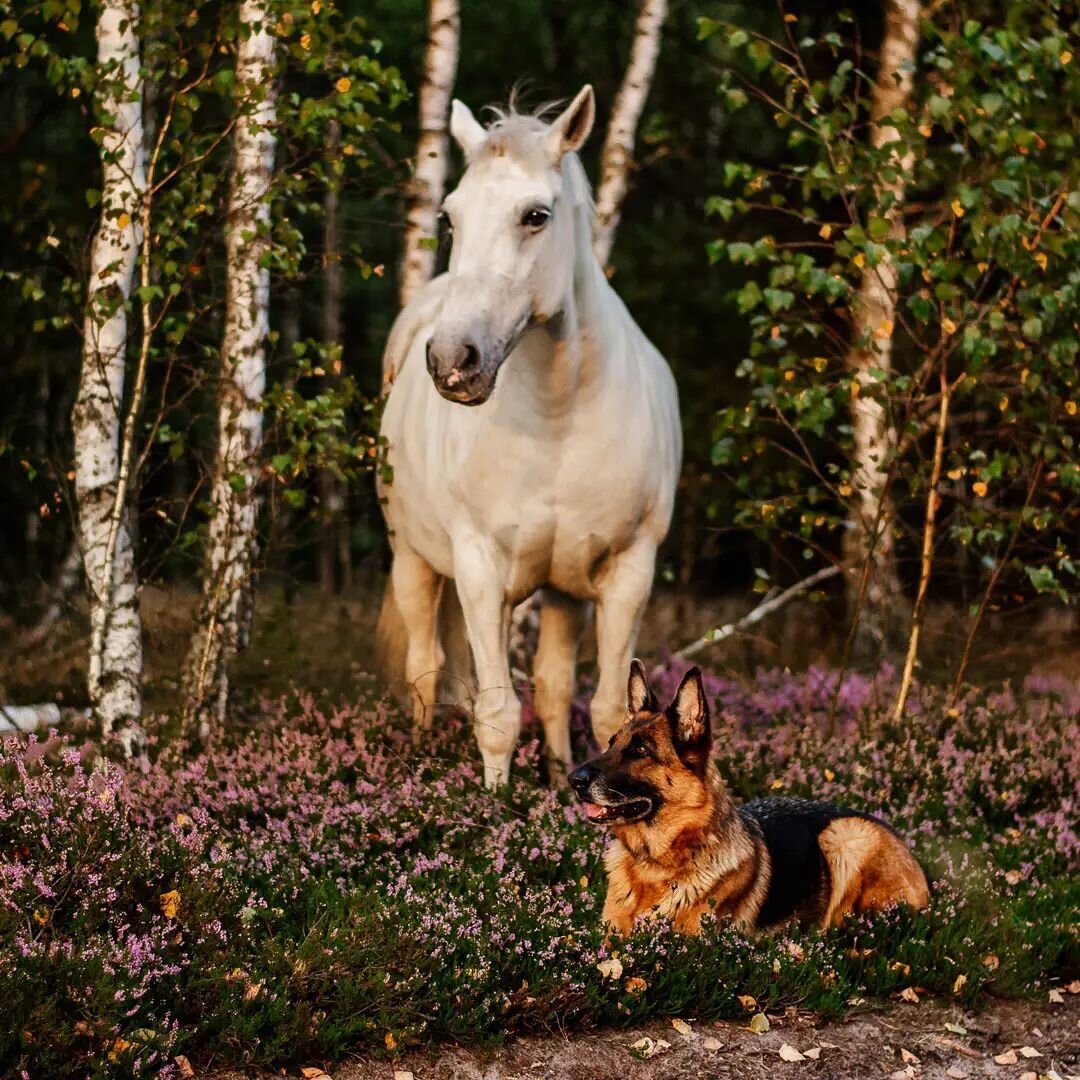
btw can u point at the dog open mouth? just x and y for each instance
(630, 810)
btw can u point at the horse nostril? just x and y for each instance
(470, 361)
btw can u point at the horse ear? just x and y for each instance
(689, 713)
(571, 129)
(639, 694)
(468, 132)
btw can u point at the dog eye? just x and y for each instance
(535, 218)
(637, 749)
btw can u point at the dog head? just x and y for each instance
(656, 766)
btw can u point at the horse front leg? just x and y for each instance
(481, 584)
(623, 595)
(417, 588)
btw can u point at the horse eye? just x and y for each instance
(536, 218)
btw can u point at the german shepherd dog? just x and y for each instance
(682, 848)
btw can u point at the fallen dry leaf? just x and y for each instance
(1030, 1052)
(903, 1074)
(712, 1043)
(1029, 1076)
(1073, 987)
(956, 1029)
(991, 962)
(1056, 998)
(955, 1073)
(170, 903)
(313, 1072)
(959, 984)
(636, 985)
(401, 1074)
(813, 1053)
(1008, 1058)
(390, 1041)
(789, 1053)
(759, 1023)
(182, 1063)
(610, 969)
(683, 1028)
(908, 994)
(748, 1002)
(908, 1058)
(648, 1048)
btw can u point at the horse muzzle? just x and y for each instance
(461, 372)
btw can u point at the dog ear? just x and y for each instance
(639, 694)
(689, 715)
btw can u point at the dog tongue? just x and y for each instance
(594, 812)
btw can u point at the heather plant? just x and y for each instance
(316, 884)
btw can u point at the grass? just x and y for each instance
(314, 884)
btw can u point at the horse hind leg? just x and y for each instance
(562, 620)
(417, 589)
(457, 687)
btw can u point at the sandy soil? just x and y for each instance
(899, 1042)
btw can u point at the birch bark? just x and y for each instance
(429, 176)
(232, 540)
(114, 678)
(618, 152)
(870, 532)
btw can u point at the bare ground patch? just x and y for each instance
(900, 1041)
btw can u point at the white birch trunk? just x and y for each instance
(618, 152)
(429, 175)
(114, 678)
(873, 317)
(232, 539)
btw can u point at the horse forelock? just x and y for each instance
(515, 134)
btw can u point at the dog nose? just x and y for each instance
(582, 777)
(450, 362)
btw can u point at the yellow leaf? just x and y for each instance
(845, 490)
(1070, 407)
(183, 819)
(884, 331)
(390, 1041)
(682, 1027)
(316, 6)
(820, 363)
(305, 41)
(825, 231)
(991, 962)
(830, 775)
(636, 985)
(1040, 258)
(123, 221)
(41, 916)
(791, 18)
(343, 85)
(957, 209)
(859, 259)
(777, 785)
(948, 326)
(955, 474)
(925, 130)
(979, 487)
(170, 903)
(118, 1047)
(748, 1002)
(759, 1023)
(584, 882)
(1065, 57)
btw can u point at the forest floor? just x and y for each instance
(902, 1041)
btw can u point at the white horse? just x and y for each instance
(561, 476)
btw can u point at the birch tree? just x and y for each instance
(618, 153)
(114, 676)
(870, 533)
(429, 175)
(232, 540)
